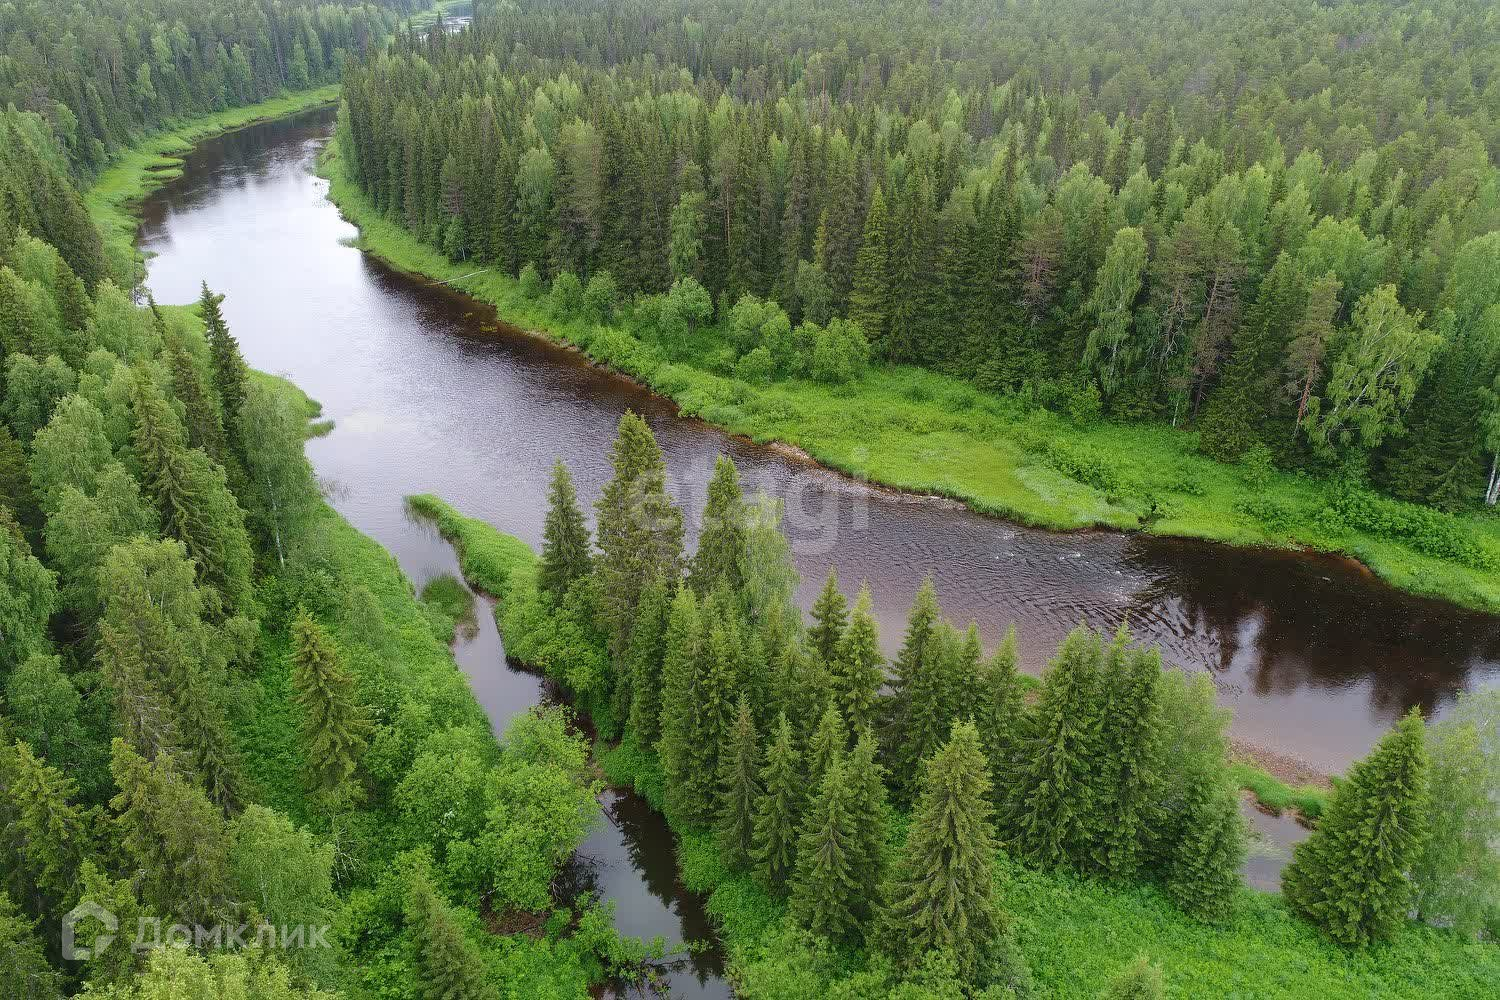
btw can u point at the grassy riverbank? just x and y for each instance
(1075, 932)
(928, 433)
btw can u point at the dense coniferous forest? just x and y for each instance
(1273, 223)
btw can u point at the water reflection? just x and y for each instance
(432, 393)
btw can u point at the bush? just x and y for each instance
(840, 353)
(1258, 467)
(566, 299)
(757, 367)
(1430, 532)
(1276, 516)
(601, 298)
(530, 282)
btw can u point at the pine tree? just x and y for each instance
(1351, 876)
(941, 893)
(823, 887)
(1207, 849)
(335, 729)
(639, 531)
(739, 789)
(452, 968)
(721, 543)
(866, 780)
(565, 538)
(1051, 810)
(827, 745)
(230, 374)
(870, 296)
(1000, 712)
(1131, 751)
(645, 656)
(859, 669)
(830, 618)
(778, 812)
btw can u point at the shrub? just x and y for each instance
(530, 282)
(566, 298)
(1257, 467)
(601, 298)
(1430, 532)
(757, 367)
(840, 353)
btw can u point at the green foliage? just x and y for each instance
(565, 545)
(858, 669)
(721, 538)
(739, 788)
(823, 887)
(1140, 980)
(1351, 877)
(778, 812)
(335, 728)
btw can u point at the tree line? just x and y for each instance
(799, 745)
(1194, 226)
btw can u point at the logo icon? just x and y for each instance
(105, 936)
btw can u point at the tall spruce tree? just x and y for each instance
(565, 537)
(870, 295)
(915, 674)
(866, 781)
(720, 557)
(229, 371)
(1132, 754)
(1208, 848)
(639, 530)
(1000, 712)
(1052, 808)
(682, 681)
(645, 656)
(941, 892)
(335, 728)
(1351, 877)
(859, 669)
(827, 745)
(778, 812)
(830, 614)
(823, 889)
(739, 789)
(452, 968)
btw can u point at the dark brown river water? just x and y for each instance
(432, 394)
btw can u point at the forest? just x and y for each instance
(1271, 223)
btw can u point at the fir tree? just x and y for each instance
(682, 668)
(739, 789)
(1207, 849)
(1351, 876)
(721, 543)
(645, 656)
(823, 887)
(827, 745)
(565, 538)
(918, 710)
(23, 958)
(778, 812)
(335, 729)
(866, 781)
(230, 373)
(452, 968)
(941, 892)
(1051, 810)
(1132, 754)
(870, 296)
(48, 835)
(859, 669)
(713, 716)
(830, 618)
(1000, 712)
(639, 531)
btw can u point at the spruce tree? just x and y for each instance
(866, 781)
(917, 684)
(1207, 848)
(1351, 876)
(870, 296)
(713, 716)
(941, 892)
(682, 682)
(830, 618)
(335, 729)
(1052, 809)
(859, 669)
(452, 968)
(823, 889)
(1000, 712)
(47, 836)
(739, 789)
(1132, 756)
(204, 424)
(565, 538)
(230, 374)
(827, 745)
(778, 812)
(721, 542)
(644, 657)
(639, 530)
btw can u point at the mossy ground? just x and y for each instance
(929, 433)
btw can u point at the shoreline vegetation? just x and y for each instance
(924, 433)
(1076, 931)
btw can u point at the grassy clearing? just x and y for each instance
(485, 555)
(929, 433)
(1276, 795)
(1076, 932)
(451, 605)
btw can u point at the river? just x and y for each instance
(432, 393)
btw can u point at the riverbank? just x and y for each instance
(930, 434)
(157, 159)
(1075, 932)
